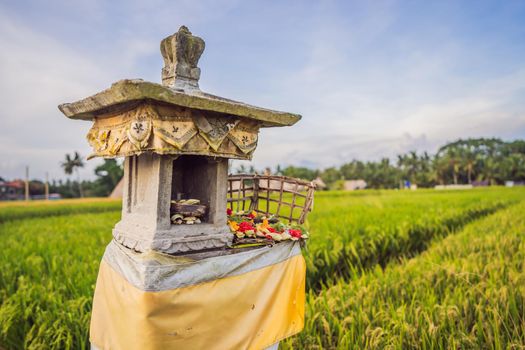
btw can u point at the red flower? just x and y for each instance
(271, 229)
(245, 226)
(295, 233)
(251, 216)
(229, 212)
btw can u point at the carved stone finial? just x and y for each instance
(181, 52)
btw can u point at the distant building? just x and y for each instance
(11, 190)
(319, 183)
(514, 183)
(352, 185)
(3, 189)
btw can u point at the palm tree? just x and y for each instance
(71, 165)
(514, 167)
(452, 157)
(409, 165)
(426, 176)
(489, 170)
(469, 157)
(441, 166)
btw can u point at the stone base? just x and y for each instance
(180, 239)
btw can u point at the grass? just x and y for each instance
(47, 276)
(10, 211)
(466, 292)
(366, 292)
(352, 233)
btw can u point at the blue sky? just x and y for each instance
(370, 78)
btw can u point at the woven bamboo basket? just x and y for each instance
(285, 198)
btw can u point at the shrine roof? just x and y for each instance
(124, 93)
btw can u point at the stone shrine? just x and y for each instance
(176, 140)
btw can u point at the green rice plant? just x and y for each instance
(48, 269)
(351, 233)
(24, 210)
(466, 291)
(48, 265)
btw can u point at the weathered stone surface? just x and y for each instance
(181, 52)
(125, 94)
(172, 130)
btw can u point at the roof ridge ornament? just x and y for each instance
(181, 52)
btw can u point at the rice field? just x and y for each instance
(10, 211)
(386, 269)
(47, 276)
(352, 233)
(466, 291)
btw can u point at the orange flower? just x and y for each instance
(233, 226)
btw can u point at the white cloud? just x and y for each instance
(365, 88)
(38, 73)
(360, 107)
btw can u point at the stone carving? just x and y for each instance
(106, 137)
(245, 138)
(139, 132)
(99, 139)
(175, 245)
(176, 132)
(181, 52)
(214, 129)
(172, 131)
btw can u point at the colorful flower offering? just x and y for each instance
(256, 225)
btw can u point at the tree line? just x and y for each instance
(487, 161)
(108, 175)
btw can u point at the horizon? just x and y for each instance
(236, 165)
(370, 80)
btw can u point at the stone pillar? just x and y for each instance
(146, 196)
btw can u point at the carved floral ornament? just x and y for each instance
(144, 129)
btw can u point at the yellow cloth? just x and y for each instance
(249, 311)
